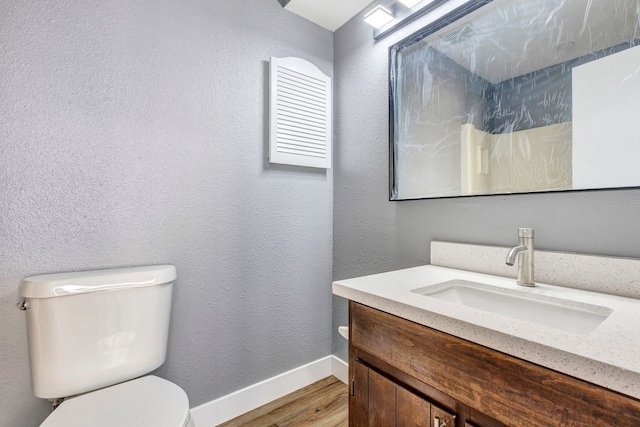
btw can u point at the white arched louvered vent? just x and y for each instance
(300, 114)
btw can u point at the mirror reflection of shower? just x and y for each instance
(519, 96)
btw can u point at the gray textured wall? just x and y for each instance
(372, 235)
(135, 133)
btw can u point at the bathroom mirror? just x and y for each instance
(517, 96)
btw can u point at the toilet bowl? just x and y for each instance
(147, 401)
(92, 336)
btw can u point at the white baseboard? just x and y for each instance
(242, 401)
(340, 369)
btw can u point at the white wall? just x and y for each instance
(606, 128)
(135, 133)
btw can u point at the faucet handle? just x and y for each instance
(526, 232)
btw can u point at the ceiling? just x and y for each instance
(330, 14)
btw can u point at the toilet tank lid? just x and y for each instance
(64, 284)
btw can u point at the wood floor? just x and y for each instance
(324, 403)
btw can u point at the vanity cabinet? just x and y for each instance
(381, 402)
(406, 374)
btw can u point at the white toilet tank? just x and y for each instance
(92, 329)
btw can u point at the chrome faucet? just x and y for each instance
(525, 250)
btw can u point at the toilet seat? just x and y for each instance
(143, 402)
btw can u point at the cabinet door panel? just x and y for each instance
(359, 398)
(382, 401)
(413, 411)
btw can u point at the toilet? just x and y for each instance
(93, 337)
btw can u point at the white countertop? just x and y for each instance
(609, 356)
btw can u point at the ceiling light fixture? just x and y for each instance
(410, 3)
(406, 11)
(378, 17)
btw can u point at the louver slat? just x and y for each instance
(300, 114)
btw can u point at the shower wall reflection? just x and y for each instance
(519, 96)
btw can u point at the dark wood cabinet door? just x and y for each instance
(382, 401)
(359, 396)
(377, 401)
(411, 409)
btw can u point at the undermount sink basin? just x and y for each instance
(566, 315)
